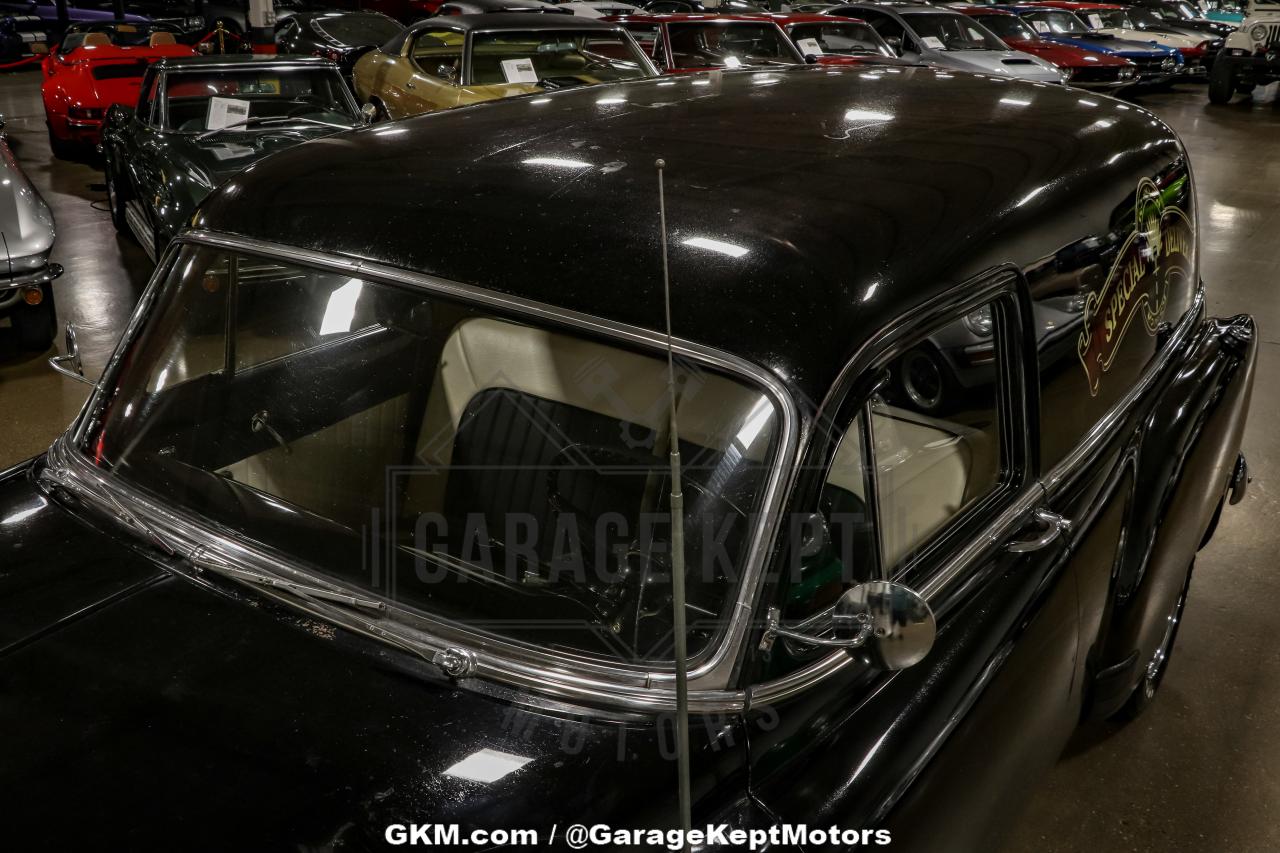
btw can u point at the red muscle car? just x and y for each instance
(91, 70)
(1087, 70)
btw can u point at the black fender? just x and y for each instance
(1184, 454)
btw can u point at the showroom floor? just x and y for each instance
(1198, 770)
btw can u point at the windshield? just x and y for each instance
(1179, 10)
(1116, 18)
(199, 100)
(1008, 27)
(553, 59)
(730, 45)
(1056, 23)
(463, 464)
(850, 39)
(358, 29)
(1144, 18)
(952, 32)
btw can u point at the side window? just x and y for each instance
(438, 53)
(890, 30)
(921, 451)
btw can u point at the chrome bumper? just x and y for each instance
(11, 288)
(44, 275)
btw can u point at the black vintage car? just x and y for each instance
(366, 522)
(342, 37)
(201, 120)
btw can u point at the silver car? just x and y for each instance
(26, 275)
(948, 39)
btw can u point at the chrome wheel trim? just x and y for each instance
(922, 379)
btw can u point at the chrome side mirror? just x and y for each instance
(888, 623)
(368, 113)
(893, 622)
(72, 358)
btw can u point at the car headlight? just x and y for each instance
(1258, 32)
(980, 321)
(1126, 73)
(1168, 64)
(1065, 74)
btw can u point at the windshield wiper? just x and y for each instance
(202, 562)
(258, 122)
(139, 525)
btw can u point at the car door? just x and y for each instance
(429, 77)
(925, 474)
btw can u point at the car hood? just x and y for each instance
(217, 158)
(1152, 37)
(1102, 43)
(1010, 63)
(1064, 54)
(25, 220)
(163, 708)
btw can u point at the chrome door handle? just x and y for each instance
(1054, 526)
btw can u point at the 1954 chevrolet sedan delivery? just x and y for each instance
(363, 525)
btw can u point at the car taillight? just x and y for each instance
(329, 54)
(86, 112)
(32, 295)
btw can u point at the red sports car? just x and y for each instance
(93, 68)
(1087, 70)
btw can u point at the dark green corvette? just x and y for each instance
(200, 121)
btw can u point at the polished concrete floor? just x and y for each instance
(1199, 770)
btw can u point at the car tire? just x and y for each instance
(36, 327)
(1145, 693)
(61, 148)
(925, 381)
(117, 197)
(1222, 84)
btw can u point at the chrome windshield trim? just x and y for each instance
(564, 675)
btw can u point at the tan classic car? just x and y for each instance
(453, 60)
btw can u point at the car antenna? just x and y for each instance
(677, 540)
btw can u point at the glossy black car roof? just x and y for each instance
(839, 198)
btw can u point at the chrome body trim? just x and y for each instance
(44, 275)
